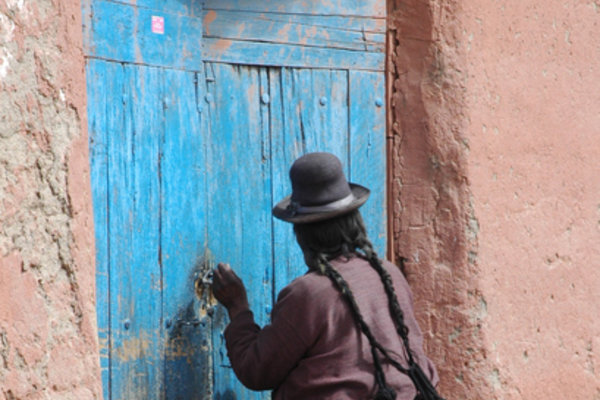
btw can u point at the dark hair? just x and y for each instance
(331, 238)
(346, 235)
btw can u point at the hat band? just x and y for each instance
(336, 205)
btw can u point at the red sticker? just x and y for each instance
(158, 25)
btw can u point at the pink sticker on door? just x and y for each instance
(158, 25)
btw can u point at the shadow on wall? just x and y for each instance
(434, 223)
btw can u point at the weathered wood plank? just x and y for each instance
(332, 32)
(288, 262)
(238, 200)
(122, 32)
(99, 122)
(367, 149)
(183, 236)
(314, 117)
(134, 204)
(330, 21)
(183, 7)
(148, 129)
(120, 229)
(285, 55)
(366, 8)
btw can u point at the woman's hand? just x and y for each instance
(229, 289)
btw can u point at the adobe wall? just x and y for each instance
(494, 131)
(48, 345)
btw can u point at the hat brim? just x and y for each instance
(283, 212)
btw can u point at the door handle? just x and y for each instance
(203, 290)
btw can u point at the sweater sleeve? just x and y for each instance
(262, 358)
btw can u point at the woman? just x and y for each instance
(345, 329)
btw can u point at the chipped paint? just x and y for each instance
(209, 17)
(292, 37)
(222, 45)
(133, 348)
(284, 32)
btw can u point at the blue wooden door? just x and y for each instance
(196, 111)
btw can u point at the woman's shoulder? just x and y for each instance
(311, 283)
(358, 268)
(359, 261)
(307, 296)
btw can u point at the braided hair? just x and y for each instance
(345, 236)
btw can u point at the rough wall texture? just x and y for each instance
(48, 345)
(494, 131)
(534, 131)
(435, 229)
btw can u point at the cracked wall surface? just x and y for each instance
(48, 345)
(494, 137)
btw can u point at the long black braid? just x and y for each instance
(323, 241)
(384, 392)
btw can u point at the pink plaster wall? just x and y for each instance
(494, 134)
(48, 339)
(534, 135)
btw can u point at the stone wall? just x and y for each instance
(48, 345)
(494, 136)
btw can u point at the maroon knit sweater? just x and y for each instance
(313, 348)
